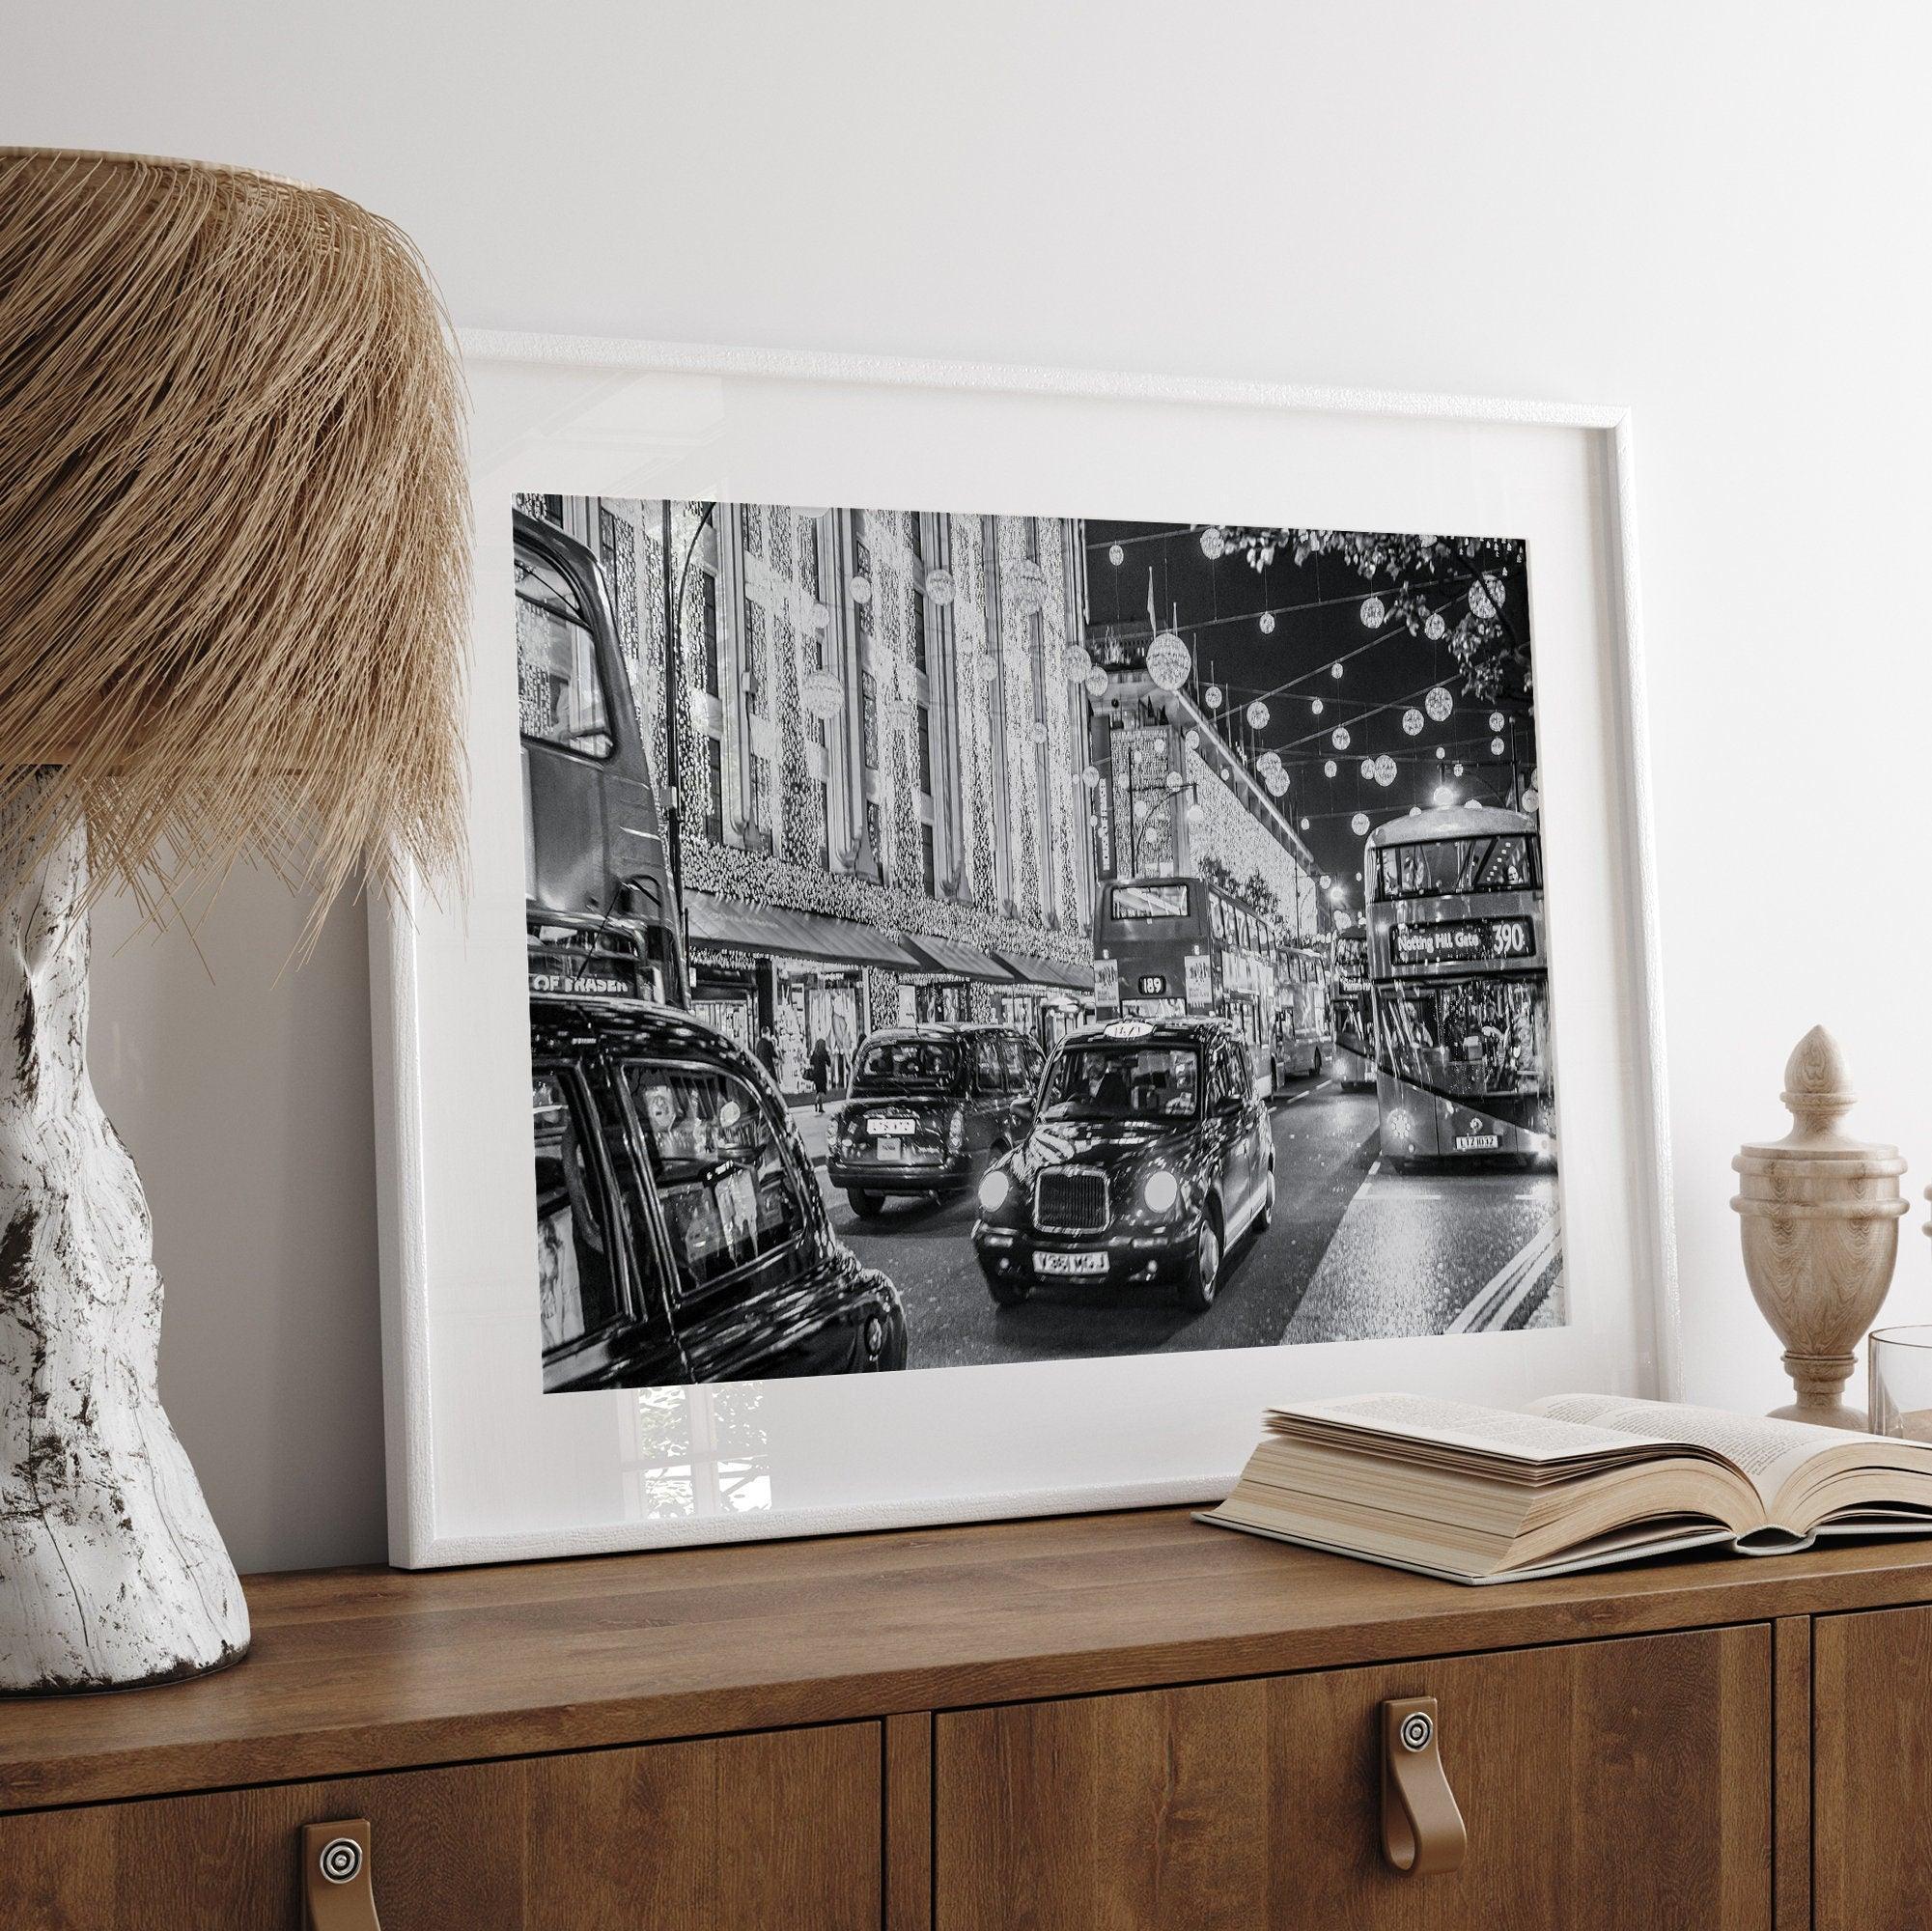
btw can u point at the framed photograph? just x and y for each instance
(1016, 919)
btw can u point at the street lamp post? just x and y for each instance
(674, 697)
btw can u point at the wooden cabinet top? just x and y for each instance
(358, 1670)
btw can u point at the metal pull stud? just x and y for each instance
(336, 1892)
(1422, 1829)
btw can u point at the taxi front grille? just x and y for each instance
(1071, 1200)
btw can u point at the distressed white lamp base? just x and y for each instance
(111, 1570)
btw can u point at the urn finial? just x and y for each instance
(1817, 1088)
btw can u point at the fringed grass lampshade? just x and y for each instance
(234, 568)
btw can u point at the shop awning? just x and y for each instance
(1036, 972)
(948, 954)
(795, 935)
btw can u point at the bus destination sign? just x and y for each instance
(1463, 941)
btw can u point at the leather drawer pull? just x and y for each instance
(336, 1892)
(1423, 1830)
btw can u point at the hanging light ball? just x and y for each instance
(1368, 767)
(1268, 761)
(1212, 697)
(1496, 747)
(1039, 730)
(1457, 768)
(940, 588)
(1439, 704)
(1304, 825)
(1343, 921)
(1535, 777)
(1227, 771)
(1339, 737)
(1411, 721)
(1415, 811)
(1192, 737)
(1433, 627)
(1384, 771)
(821, 693)
(1441, 754)
(1326, 881)
(1471, 804)
(819, 616)
(1481, 605)
(1090, 777)
(1076, 660)
(1169, 662)
(1327, 768)
(1116, 555)
(1096, 683)
(861, 590)
(1358, 825)
(1496, 720)
(1373, 611)
(1276, 782)
(1442, 797)
(1175, 781)
(1531, 798)
(1196, 815)
(1257, 716)
(1267, 623)
(1316, 707)
(1214, 544)
(1335, 670)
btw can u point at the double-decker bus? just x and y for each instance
(1459, 972)
(1352, 1011)
(1301, 1011)
(1165, 948)
(602, 919)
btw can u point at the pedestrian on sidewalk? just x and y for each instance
(768, 1051)
(821, 1063)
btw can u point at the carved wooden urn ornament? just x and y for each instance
(234, 574)
(1821, 1214)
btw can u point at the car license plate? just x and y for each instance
(1475, 1142)
(886, 1146)
(896, 1125)
(1080, 1263)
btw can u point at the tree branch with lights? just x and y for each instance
(1465, 592)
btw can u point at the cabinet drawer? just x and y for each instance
(1620, 1784)
(771, 1830)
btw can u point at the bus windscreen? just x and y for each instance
(1162, 901)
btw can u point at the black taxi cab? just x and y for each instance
(680, 1232)
(1150, 1158)
(928, 1106)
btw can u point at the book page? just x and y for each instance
(1765, 1451)
(1505, 1432)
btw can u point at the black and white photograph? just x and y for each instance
(965, 939)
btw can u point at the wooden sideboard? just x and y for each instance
(1122, 1721)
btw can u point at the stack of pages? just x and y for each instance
(1491, 1495)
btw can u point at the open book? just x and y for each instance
(1490, 1495)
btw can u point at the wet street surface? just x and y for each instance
(1355, 1250)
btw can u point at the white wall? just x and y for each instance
(1713, 211)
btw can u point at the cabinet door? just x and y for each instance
(1871, 1775)
(742, 1834)
(1620, 1784)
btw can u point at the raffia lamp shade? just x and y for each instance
(233, 579)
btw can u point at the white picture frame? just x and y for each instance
(483, 1467)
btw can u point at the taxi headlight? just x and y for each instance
(1159, 1189)
(995, 1189)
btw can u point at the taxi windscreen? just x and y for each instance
(906, 1065)
(1111, 1081)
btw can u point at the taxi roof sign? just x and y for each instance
(1127, 1029)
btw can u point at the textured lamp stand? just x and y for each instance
(1821, 1214)
(111, 1569)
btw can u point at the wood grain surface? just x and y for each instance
(744, 1834)
(360, 1671)
(1873, 1771)
(1610, 1786)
